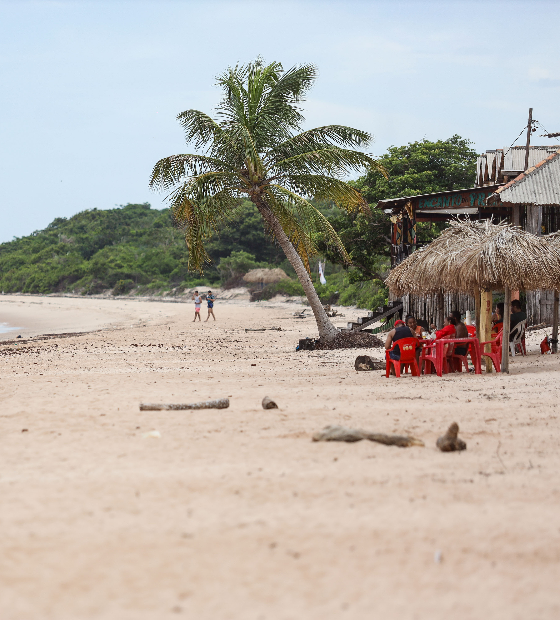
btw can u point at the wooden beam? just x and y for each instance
(506, 330)
(477, 313)
(486, 324)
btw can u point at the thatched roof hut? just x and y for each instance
(265, 276)
(479, 255)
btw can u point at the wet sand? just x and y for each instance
(235, 513)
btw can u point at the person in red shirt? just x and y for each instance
(448, 330)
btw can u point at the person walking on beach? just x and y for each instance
(197, 303)
(210, 300)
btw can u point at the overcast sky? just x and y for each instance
(89, 90)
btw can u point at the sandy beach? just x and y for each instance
(236, 513)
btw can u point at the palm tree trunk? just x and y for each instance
(327, 331)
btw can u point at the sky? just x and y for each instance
(90, 89)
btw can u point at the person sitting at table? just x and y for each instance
(497, 320)
(399, 332)
(416, 329)
(460, 332)
(517, 315)
(448, 330)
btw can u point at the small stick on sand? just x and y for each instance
(341, 433)
(221, 403)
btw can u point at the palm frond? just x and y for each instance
(172, 170)
(314, 221)
(315, 139)
(200, 220)
(328, 188)
(297, 231)
(199, 128)
(331, 160)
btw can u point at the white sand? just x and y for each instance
(236, 514)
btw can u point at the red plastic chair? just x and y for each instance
(429, 359)
(495, 353)
(472, 330)
(456, 361)
(407, 347)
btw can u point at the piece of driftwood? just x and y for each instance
(263, 329)
(450, 442)
(268, 403)
(365, 362)
(342, 433)
(221, 403)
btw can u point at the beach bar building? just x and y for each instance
(497, 171)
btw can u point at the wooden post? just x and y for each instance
(486, 323)
(506, 330)
(529, 127)
(440, 310)
(477, 313)
(555, 323)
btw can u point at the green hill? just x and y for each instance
(131, 246)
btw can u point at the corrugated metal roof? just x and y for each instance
(539, 185)
(493, 164)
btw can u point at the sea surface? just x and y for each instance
(4, 328)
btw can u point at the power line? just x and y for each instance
(516, 139)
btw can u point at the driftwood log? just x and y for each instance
(221, 403)
(450, 442)
(342, 433)
(365, 362)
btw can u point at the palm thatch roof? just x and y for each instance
(479, 255)
(265, 276)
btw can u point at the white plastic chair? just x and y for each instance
(517, 335)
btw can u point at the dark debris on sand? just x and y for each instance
(350, 340)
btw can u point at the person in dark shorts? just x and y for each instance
(460, 332)
(210, 301)
(517, 315)
(399, 332)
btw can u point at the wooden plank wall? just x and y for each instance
(433, 308)
(539, 307)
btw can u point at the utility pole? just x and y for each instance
(529, 129)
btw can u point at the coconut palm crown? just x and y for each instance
(255, 149)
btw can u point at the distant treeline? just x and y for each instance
(137, 248)
(131, 246)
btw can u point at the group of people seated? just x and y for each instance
(517, 315)
(453, 327)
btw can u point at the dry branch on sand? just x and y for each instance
(341, 433)
(221, 403)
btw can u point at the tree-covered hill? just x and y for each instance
(125, 247)
(137, 247)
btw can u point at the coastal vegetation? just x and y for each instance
(135, 249)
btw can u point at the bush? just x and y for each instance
(289, 288)
(122, 287)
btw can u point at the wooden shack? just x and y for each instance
(495, 170)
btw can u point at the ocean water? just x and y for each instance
(4, 328)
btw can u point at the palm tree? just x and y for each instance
(253, 150)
